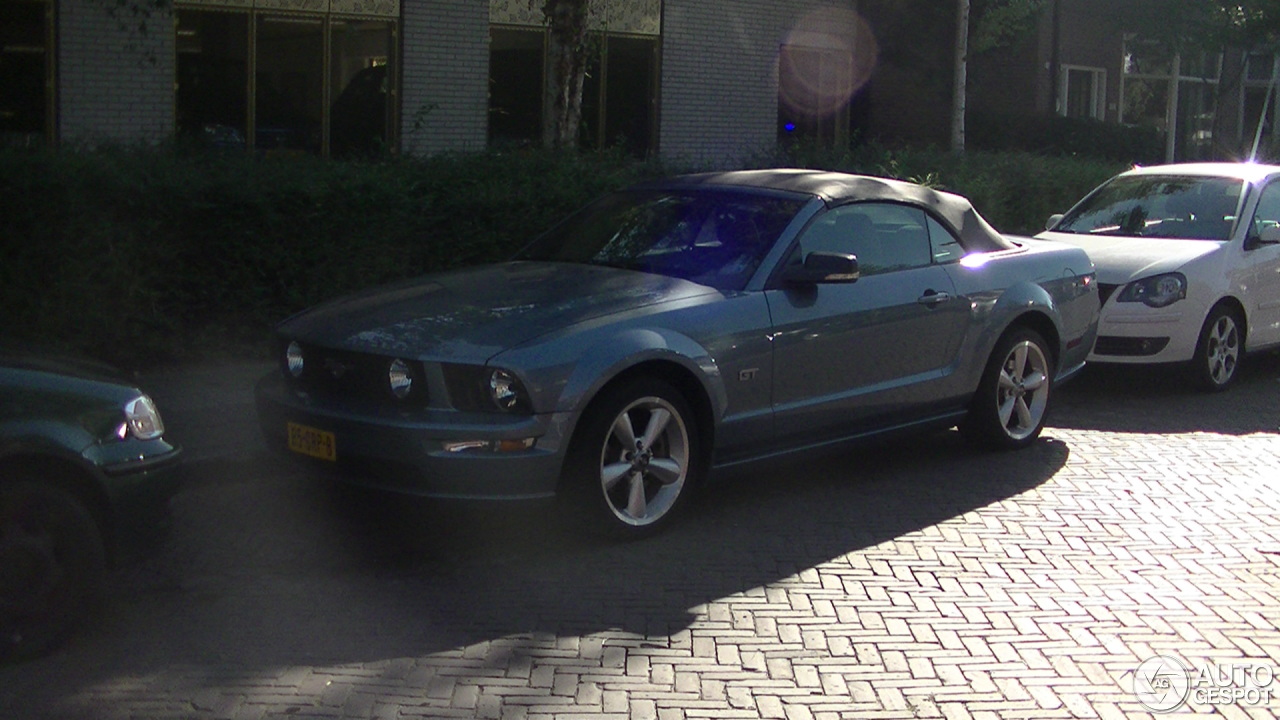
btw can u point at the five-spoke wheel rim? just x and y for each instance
(1023, 390)
(1223, 351)
(645, 461)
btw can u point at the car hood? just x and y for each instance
(21, 356)
(476, 313)
(1120, 260)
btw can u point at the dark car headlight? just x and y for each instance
(294, 361)
(506, 392)
(1156, 291)
(400, 378)
(486, 389)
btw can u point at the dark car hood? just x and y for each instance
(21, 356)
(476, 313)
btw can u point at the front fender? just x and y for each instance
(610, 357)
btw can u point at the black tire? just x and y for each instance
(1008, 411)
(1219, 350)
(53, 567)
(626, 492)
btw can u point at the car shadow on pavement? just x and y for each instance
(1165, 399)
(269, 569)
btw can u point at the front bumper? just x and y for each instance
(1135, 333)
(139, 478)
(409, 453)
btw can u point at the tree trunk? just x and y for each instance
(958, 98)
(567, 65)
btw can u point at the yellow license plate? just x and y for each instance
(313, 442)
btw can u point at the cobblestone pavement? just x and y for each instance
(917, 580)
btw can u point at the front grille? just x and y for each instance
(1129, 346)
(352, 376)
(1105, 291)
(467, 387)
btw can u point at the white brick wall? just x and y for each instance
(719, 99)
(445, 75)
(115, 84)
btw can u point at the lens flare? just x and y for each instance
(826, 58)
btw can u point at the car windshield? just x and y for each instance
(713, 237)
(1197, 208)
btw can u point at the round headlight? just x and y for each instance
(400, 378)
(504, 389)
(293, 359)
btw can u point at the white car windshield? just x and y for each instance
(1159, 206)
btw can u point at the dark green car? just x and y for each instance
(84, 469)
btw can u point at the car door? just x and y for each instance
(874, 351)
(1259, 274)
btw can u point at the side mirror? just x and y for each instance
(1268, 235)
(1053, 220)
(823, 268)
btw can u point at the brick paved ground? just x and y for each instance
(919, 580)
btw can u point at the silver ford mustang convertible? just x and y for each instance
(680, 327)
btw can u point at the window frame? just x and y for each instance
(1098, 97)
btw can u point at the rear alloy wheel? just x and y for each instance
(634, 460)
(52, 567)
(1217, 357)
(1013, 397)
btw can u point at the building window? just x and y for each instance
(362, 87)
(814, 88)
(515, 85)
(618, 97)
(1173, 93)
(1262, 67)
(620, 91)
(1084, 92)
(288, 102)
(213, 77)
(261, 80)
(26, 66)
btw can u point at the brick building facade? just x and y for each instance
(697, 79)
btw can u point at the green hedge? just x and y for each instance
(144, 256)
(1065, 136)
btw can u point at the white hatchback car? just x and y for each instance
(1188, 263)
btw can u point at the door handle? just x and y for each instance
(932, 298)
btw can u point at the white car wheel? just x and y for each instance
(1217, 358)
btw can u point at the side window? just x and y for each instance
(883, 236)
(1268, 212)
(946, 248)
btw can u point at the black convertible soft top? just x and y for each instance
(975, 233)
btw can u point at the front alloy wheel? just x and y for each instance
(637, 450)
(1013, 397)
(1218, 352)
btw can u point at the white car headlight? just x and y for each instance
(1156, 291)
(142, 420)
